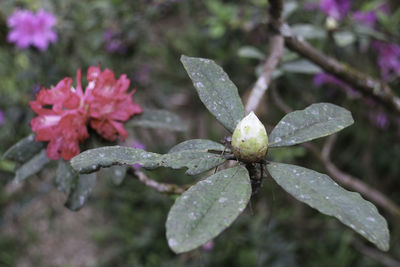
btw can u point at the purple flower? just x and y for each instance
(336, 9)
(208, 247)
(324, 78)
(143, 74)
(113, 43)
(388, 59)
(367, 18)
(380, 119)
(2, 118)
(28, 28)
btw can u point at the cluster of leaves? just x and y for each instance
(210, 206)
(239, 46)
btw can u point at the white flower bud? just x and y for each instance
(331, 24)
(250, 139)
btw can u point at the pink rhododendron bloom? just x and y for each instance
(336, 9)
(64, 112)
(64, 124)
(388, 59)
(109, 103)
(28, 28)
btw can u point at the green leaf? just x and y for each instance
(315, 121)
(33, 166)
(322, 193)
(308, 31)
(207, 208)
(216, 90)
(93, 159)
(300, 66)
(159, 119)
(196, 161)
(81, 191)
(197, 145)
(115, 173)
(66, 176)
(289, 8)
(24, 150)
(251, 52)
(344, 38)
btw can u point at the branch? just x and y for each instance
(160, 187)
(354, 183)
(368, 85)
(276, 46)
(375, 254)
(349, 181)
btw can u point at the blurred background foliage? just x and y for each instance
(124, 225)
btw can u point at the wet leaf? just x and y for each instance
(197, 145)
(317, 120)
(320, 192)
(216, 90)
(33, 166)
(196, 161)
(207, 208)
(81, 190)
(66, 176)
(24, 150)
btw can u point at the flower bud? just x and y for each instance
(331, 24)
(250, 139)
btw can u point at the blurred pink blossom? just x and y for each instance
(2, 119)
(380, 119)
(28, 28)
(388, 59)
(324, 78)
(336, 9)
(368, 18)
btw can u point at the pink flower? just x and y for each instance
(368, 18)
(336, 9)
(109, 103)
(64, 112)
(64, 124)
(388, 59)
(28, 28)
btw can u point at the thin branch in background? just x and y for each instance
(354, 183)
(366, 84)
(375, 254)
(343, 178)
(160, 187)
(276, 47)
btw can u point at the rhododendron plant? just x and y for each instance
(104, 105)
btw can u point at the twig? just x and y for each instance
(366, 84)
(338, 175)
(354, 183)
(160, 187)
(375, 254)
(276, 46)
